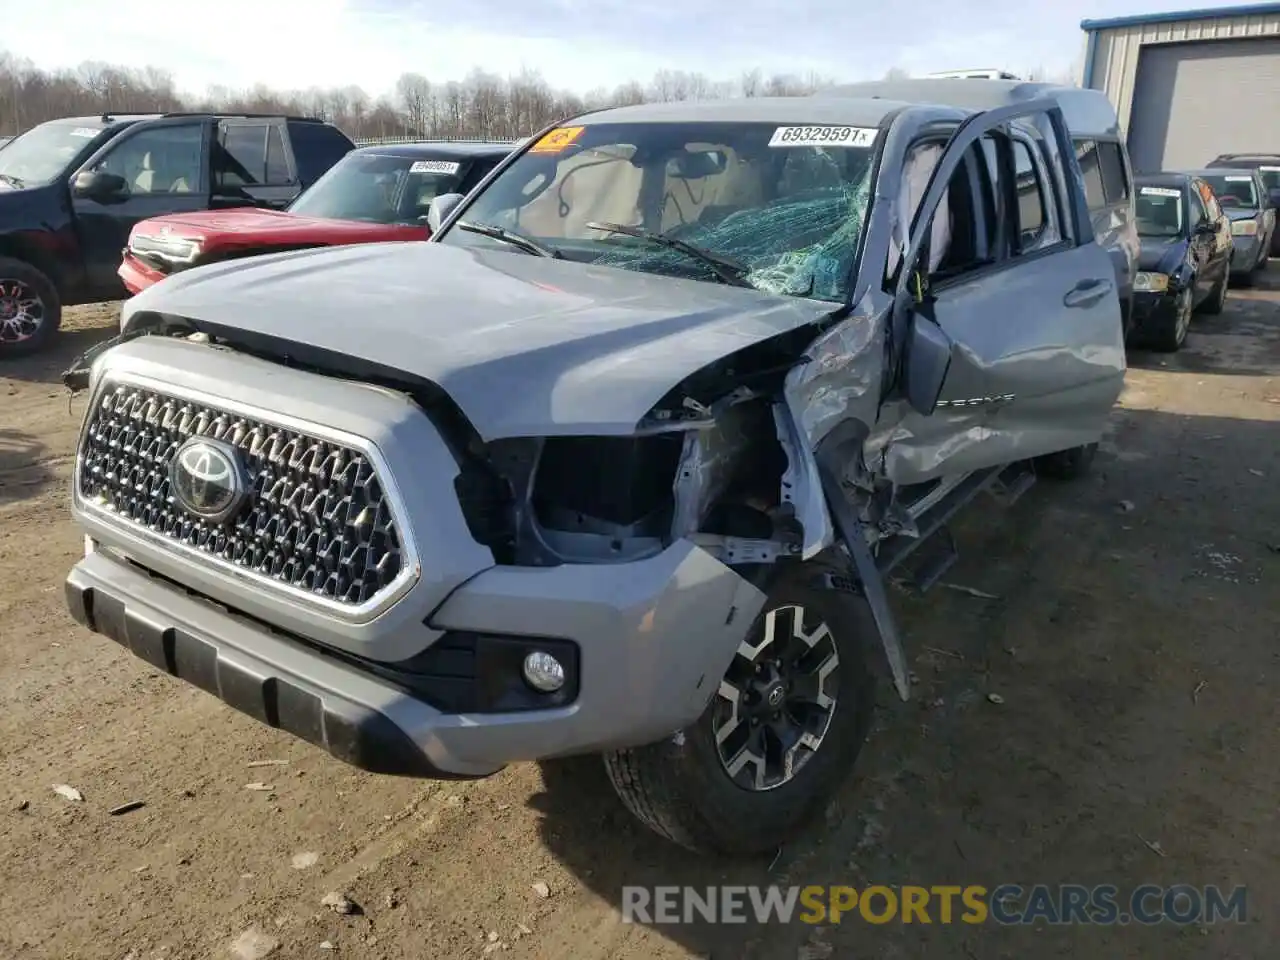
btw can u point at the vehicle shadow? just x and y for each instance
(1244, 340)
(1124, 624)
(22, 474)
(48, 365)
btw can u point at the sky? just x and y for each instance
(576, 44)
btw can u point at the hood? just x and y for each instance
(26, 208)
(1160, 254)
(1240, 213)
(525, 345)
(255, 226)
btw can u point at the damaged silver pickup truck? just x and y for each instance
(620, 461)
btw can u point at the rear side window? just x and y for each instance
(277, 162)
(316, 148)
(1033, 211)
(1091, 168)
(1115, 184)
(242, 161)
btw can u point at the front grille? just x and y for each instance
(317, 519)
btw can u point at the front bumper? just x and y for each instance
(136, 275)
(1153, 308)
(655, 636)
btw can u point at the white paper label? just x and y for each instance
(1270, 169)
(434, 166)
(823, 137)
(1160, 192)
(1239, 179)
(86, 132)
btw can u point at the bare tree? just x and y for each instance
(480, 105)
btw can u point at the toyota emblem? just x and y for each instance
(208, 478)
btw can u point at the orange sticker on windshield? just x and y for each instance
(557, 140)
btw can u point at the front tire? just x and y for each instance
(1217, 299)
(778, 738)
(30, 309)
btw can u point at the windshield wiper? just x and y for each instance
(726, 270)
(12, 180)
(506, 236)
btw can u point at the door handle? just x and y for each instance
(1087, 292)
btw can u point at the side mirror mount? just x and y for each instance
(440, 209)
(100, 185)
(926, 358)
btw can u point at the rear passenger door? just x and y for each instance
(1027, 296)
(252, 165)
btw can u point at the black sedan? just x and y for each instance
(1185, 260)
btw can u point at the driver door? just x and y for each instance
(164, 167)
(1023, 292)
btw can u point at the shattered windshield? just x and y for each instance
(378, 188)
(782, 205)
(1233, 189)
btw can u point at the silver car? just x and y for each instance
(619, 461)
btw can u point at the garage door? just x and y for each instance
(1193, 101)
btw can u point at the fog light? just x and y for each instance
(543, 672)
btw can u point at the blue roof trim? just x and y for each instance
(1250, 10)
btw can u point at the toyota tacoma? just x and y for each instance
(620, 461)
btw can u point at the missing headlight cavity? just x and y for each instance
(716, 481)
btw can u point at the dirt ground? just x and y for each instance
(1134, 639)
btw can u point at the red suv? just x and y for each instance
(372, 195)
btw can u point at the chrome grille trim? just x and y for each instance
(231, 410)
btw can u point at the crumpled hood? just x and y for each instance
(1240, 213)
(1161, 255)
(525, 345)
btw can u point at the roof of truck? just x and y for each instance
(1086, 111)
(751, 110)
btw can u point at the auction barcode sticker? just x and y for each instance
(1270, 169)
(434, 166)
(1239, 179)
(86, 132)
(1160, 192)
(823, 137)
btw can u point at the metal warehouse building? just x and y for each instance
(1189, 86)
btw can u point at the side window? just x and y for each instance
(1115, 183)
(1210, 201)
(277, 162)
(1088, 153)
(916, 171)
(954, 245)
(316, 148)
(242, 159)
(1033, 212)
(159, 160)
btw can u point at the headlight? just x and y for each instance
(1244, 228)
(172, 249)
(1151, 283)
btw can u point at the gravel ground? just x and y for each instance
(1130, 635)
